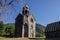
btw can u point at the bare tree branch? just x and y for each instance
(5, 2)
(13, 7)
(0, 2)
(9, 2)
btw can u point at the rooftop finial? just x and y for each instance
(25, 9)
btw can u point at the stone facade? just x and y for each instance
(25, 24)
(53, 30)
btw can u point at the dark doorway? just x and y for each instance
(25, 30)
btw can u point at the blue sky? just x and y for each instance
(44, 11)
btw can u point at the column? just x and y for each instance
(23, 31)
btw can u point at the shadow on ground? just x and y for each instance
(46, 39)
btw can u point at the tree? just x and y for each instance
(6, 6)
(5, 3)
(9, 31)
(1, 25)
(1, 28)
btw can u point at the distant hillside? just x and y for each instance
(9, 24)
(39, 30)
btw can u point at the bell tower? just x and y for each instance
(25, 10)
(25, 13)
(28, 29)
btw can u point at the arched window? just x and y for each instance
(26, 11)
(31, 20)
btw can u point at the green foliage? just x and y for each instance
(1, 25)
(37, 34)
(9, 30)
(1, 28)
(6, 30)
(39, 30)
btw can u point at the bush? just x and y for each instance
(9, 30)
(1, 28)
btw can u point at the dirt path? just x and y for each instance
(1, 38)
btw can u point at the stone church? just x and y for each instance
(25, 24)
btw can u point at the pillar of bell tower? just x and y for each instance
(25, 26)
(25, 13)
(28, 28)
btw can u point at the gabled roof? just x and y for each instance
(32, 16)
(19, 15)
(53, 22)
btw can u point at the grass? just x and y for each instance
(40, 38)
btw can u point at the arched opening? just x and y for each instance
(25, 30)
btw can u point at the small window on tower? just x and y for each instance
(31, 20)
(26, 11)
